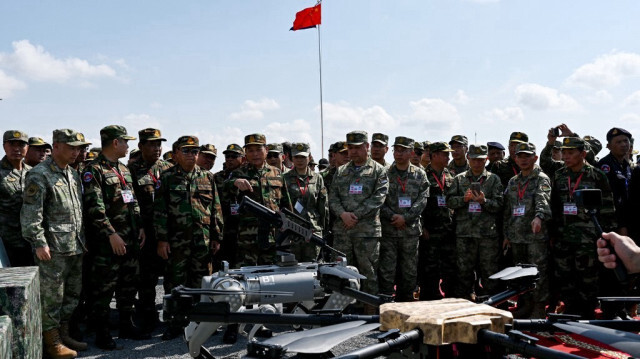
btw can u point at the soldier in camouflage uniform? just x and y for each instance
(357, 193)
(416, 157)
(505, 169)
(476, 212)
(574, 234)
(309, 199)
(145, 172)
(188, 220)
(113, 218)
(275, 157)
(340, 157)
(37, 151)
(207, 156)
(460, 146)
(51, 219)
(527, 210)
(437, 248)
(379, 148)
(168, 156)
(401, 225)
(12, 173)
(496, 153)
(426, 155)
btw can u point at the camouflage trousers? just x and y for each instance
(250, 252)
(535, 253)
(576, 277)
(436, 262)
(152, 266)
(479, 256)
(398, 266)
(363, 253)
(60, 285)
(189, 261)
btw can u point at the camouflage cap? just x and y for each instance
(341, 146)
(69, 137)
(439, 147)
(334, 147)
(255, 139)
(187, 141)
(526, 147)
(300, 149)
(312, 162)
(38, 142)
(572, 142)
(114, 132)
(418, 146)
(323, 163)
(209, 149)
(96, 149)
(150, 134)
(235, 148)
(167, 155)
(478, 151)
(594, 145)
(496, 145)
(557, 144)
(135, 152)
(91, 155)
(357, 137)
(405, 142)
(426, 145)
(274, 147)
(380, 137)
(518, 137)
(617, 131)
(15, 135)
(459, 139)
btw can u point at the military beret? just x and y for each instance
(274, 147)
(496, 145)
(38, 142)
(518, 137)
(113, 132)
(187, 141)
(478, 151)
(572, 142)
(405, 142)
(150, 134)
(440, 147)
(209, 149)
(617, 131)
(357, 138)
(69, 137)
(15, 135)
(300, 149)
(526, 147)
(380, 137)
(235, 148)
(255, 139)
(459, 139)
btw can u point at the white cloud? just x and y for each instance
(36, 64)
(607, 70)
(8, 85)
(254, 110)
(600, 97)
(539, 97)
(633, 99)
(343, 118)
(507, 115)
(137, 121)
(630, 118)
(461, 98)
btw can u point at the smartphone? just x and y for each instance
(556, 131)
(476, 188)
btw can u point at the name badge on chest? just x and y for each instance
(355, 189)
(442, 201)
(299, 207)
(234, 209)
(570, 209)
(475, 207)
(518, 211)
(404, 202)
(127, 196)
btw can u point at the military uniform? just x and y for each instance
(383, 139)
(575, 257)
(476, 229)
(507, 168)
(619, 176)
(453, 167)
(360, 190)
(407, 196)
(12, 185)
(547, 163)
(437, 254)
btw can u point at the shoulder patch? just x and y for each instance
(87, 177)
(383, 180)
(605, 168)
(32, 190)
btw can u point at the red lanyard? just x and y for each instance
(521, 192)
(124, 183)
(303, 190)
(440, 184)
(155, 180)
(403, 184)
(514, 170)
(571, 190)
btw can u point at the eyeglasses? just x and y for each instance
(186, 151)
(273, 155)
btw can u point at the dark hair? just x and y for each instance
(286, 148)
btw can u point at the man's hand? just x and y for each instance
(215, 246)
(480, 198)
(468, 196)
(142, 237)
(43, 253)
(536, 225)
(505, 243)
(117, 244)
(243, 185)
(398, 221)
(350, 220)
(163, 250)
(625, 249)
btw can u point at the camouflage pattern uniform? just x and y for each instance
(452, 167)
(476, 232)
(107, 213)
(309, 199)
(576, 262)
(407, 196)
(383, 139)
(547, 163)
(256, 241)
(188, 216)
(360, 243)
(51, 216)
(437, 254)
(12, 185)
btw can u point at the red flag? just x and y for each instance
(307, 18)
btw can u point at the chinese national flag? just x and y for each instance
(307, 18)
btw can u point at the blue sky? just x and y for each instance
(223, 69)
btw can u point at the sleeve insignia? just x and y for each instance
(87, 177)
(605, 168)
(32, 190)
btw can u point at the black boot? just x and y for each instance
(231, 334)
(128, 330)
(103, 339)
(150, 320)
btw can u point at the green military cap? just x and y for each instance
(526, 147)
(459, 139)
(70, 137)
(235, 148)
(405, 142)
(357, 138)
(334, 147)
(439, 147)
(38, 142)
(572, 142)
(255, 139)
(312, 162)
(96, 149)
(114, 132)
(426, 145)
(557, 144)
(518, 137)
(300, 149)
(209, 149)
(478, 151)
(91, 155)
(167, 155)
(380, 137)
(187, 141)
(594, 145)
(15, 135)
(341, 146)
(150, 134)
(134, 153)
(274, 147)
(418, 146)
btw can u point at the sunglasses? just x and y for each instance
(232, 155)
(186, 151)
(273, 155)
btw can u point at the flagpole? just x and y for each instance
(321, 110)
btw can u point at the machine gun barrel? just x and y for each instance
(522, 347)
(373, 351)
(541, 325)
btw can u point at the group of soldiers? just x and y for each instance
(422, 227)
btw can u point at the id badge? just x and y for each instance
(518, 211)
(355, 189)
(475, 207)
(404, 202)
(234, 209)
(570, 209)
(127, 196)
(442, 201)
(299, 207)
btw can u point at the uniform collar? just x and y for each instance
(102, 159)
(471, 175)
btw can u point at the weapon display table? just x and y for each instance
(444, 321)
